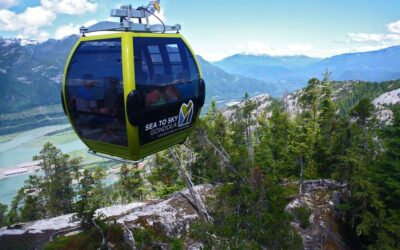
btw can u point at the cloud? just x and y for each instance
(394, 27)
(71, 29)
(375, 39)
(30, 23)
(39, 35)
(66, 30)
(71, 7)
(32, 16)
(5, 4)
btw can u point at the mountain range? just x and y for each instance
(292, 72)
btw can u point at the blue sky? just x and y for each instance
(217, 29)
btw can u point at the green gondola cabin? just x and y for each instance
(131, 94)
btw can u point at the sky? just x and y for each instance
(217, 29)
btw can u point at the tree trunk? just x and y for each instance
(202, 211)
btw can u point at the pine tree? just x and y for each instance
(55, 186)
(99, 195)
(388, 178)
(327, 127)
(363, 211)
(308, 129)
(249, 214)
(208, 165)
(275, 135)
(130, 183)
(3, 215)
(13, 214)
(85, 207)
(164, 176)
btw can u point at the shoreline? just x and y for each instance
(20, 169)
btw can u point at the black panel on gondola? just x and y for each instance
(166, 77)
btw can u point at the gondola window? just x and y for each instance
(94, 91)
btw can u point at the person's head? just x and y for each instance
(171, 93)
(153, 97)
(88, 80)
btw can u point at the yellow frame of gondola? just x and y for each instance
(134, 151)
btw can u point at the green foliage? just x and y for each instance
(130, 184)
(47, 195)
(91, 196)
(91, 239)
(274, 144)
(349, 93)
(249, 214)
(148, 238)
(3, 216)
(164, 177)
(56, 184)
(87, 240)
(362, 111)
(303, 214)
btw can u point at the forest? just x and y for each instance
(249, 159)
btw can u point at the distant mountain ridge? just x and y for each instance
(224, 87)
(292, 72)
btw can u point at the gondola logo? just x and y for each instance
(185, 114)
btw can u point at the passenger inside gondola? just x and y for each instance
(95, 92)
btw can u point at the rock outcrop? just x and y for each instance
(383, 102)
(321, 198)
(170, 217)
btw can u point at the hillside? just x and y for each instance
(224, 87)
(282, 71)
(346, 94)
(27, 81)
(379, 65)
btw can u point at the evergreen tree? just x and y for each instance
(99, 195)
(55, 186)
(388, 236)
(249, 214)
(307, 129)
(3, 215)
(164, 176)
(130, 183)
(47, 195)
(327, 128)
(86, 205)
(363, 210)
(208, 165)
(275, 136)
(13, 214)
(30, 211)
